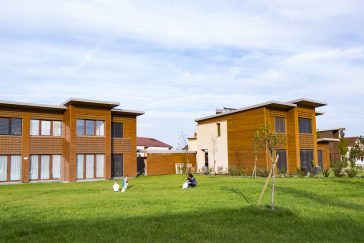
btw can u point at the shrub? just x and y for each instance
(220, 170)
(339, 169)
(236, 171)
(301, 172)
(351, 171)
(325, 173)
(263, 172)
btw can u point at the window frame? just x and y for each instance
(10, 125)
(302, 127)
(51, 128)
(218, 129)
(50, 173)
(278, 126)
(84, 124)
(113, 129)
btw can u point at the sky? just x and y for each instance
(180, 60)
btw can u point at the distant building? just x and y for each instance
(145, 144)
(331, 137)
(225, 137)
(351, 141)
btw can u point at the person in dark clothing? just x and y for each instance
(191, 181)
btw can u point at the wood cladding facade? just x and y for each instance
(69, 144)
(241, 127)
(165, 163)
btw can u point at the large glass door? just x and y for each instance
(117, 165)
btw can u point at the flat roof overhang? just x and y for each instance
(308, 102)
(127, 112)
(327, 140)
(91, 103)
(31, 106)
(269, 104)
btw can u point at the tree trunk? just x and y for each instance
(274, 179)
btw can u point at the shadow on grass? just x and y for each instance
(237, 192)
(320, 198)
(222, 225)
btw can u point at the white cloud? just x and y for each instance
(179, 60)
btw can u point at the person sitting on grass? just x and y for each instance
(116, 186)
(191, 181)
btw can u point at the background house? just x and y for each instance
(224, 139)
(78, 140)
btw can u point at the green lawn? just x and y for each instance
(156, 209)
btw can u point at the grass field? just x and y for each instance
(156, 209)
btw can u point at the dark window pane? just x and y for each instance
(320, 158)
(90, 128)
(282, 160)
(16, 126)
(117, 165)
(280, 125)
(218, 129)
(4, 126)
(305, 125)
(80, 127)
(117, 129)
(306, 159)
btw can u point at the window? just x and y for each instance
(15, 167)
(33, 169)
(306, 157)
(282, 160)
(45, 167)
(280, 124)
(90, 166)
(34, 127)
(79, 166)
(10, 126)
(90, 128)
(305, 125)
(80, 127)
(218, 129)
(320, 158)
(100, 158)
(56, 166)
(100, 128)
(117, 165)
(117, 129)
(3, 168)
(12, 162)
(57, 128)
(15, 127)
(45, 128)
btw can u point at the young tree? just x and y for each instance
(343, 145)
(357, 150)
(267, 139)
(214, 150)
(183, 146)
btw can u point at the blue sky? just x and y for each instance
(179, 60)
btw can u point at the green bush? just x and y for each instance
(325, 173)
(351, 171)
(236, 171)
(301, 173)
(339, 169)
(263, 172)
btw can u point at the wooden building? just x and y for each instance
(79, 140)
(224, 139)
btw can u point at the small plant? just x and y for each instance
(325, 173)
(236, 171)
(263, 172)
(282, 172)
(220, 170)
(351, 171)
(339, 169)
(301, 173)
